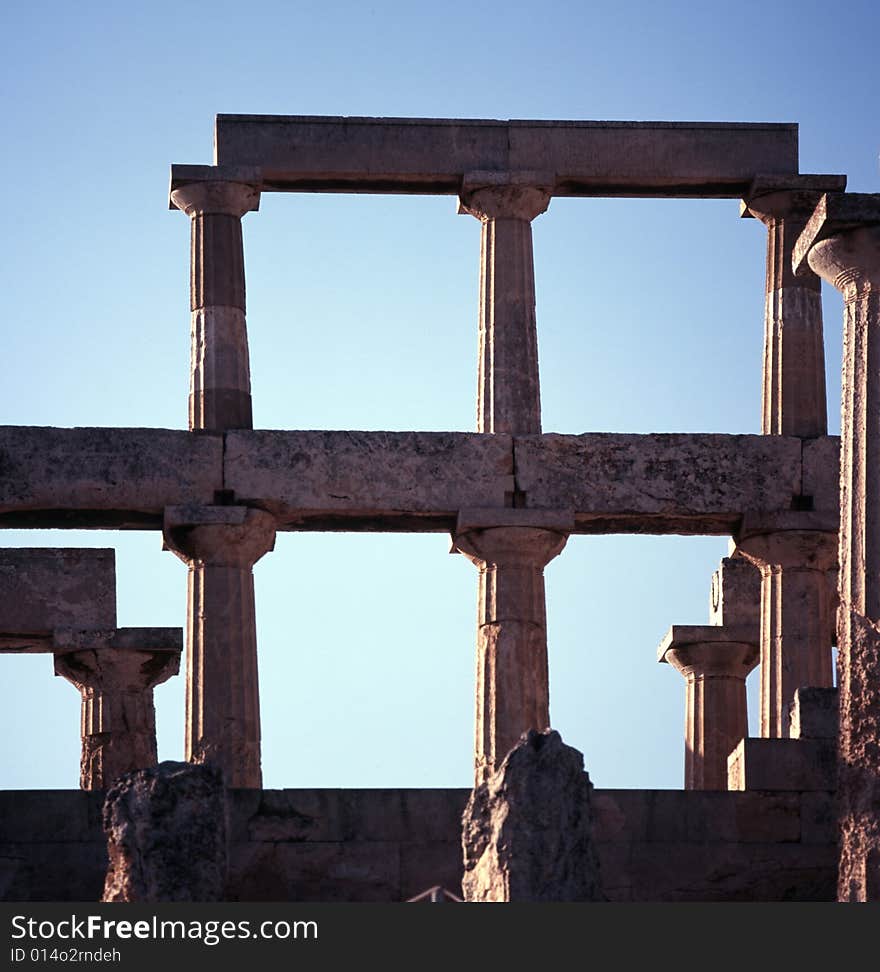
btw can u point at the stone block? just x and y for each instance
(815, 714)
(735, 599)
(768, 818)
(45, 588)
(666, 815)
(821, 472)
(711, 816)
(687, 484)
(783, 764)
(110, 478)
(43, 816)
(615, 869)
(52, 870)
(296, 815)
(368, 480)
(620, 816)
(818, 818)
(432, 155)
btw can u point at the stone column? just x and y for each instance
(512, 693)
(215, 199)
(794, 355)
(793, 554)
(842, 244)
(716, 718)
(508, 392)
(118, 722)
(220, 545)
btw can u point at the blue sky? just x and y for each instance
(362, 314)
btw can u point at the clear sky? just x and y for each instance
(362, 313)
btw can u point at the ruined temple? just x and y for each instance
(792, 814)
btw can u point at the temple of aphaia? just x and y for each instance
(792, 814)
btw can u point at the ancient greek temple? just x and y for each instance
(793, 813)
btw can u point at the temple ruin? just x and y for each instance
(793, 814)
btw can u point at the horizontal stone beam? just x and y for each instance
(432, 155)
(62, 641)
(103, 478)
(46, 588)
(411, 481)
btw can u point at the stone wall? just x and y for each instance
(388, 845)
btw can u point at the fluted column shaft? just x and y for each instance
(512, 690)
(508, 389)
(220, 545)
(716, 717)
(794, 355)
(795, 621)
(118, 719)
(849, 258)
(220, 389)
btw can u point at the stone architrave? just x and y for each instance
(166, 835)
(220, 545)
(508, 389)
(714, 666)
(510, 548)
(794, 355)
(794, 552)
(527, 832)
(842, 244)
(215, 199)
(116, 672)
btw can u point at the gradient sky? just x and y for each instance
(362, 313)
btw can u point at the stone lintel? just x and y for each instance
(785, 521)
(63, 640)
(431, 155)
(409, 481)
(783, 764)
(186, 175)
(683, 635)
(835, 213)
(43, 588)
(769, 184)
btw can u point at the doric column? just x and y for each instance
(220, 545)
(116, 672)
(215, 199)
(715, 667)
(512, 692)
(842, 244)
(508, 392)
(793, 554)
(794, 354)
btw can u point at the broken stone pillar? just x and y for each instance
(508, 390)
(510, 548)
(715, 667)
(794, 355)
(215, 198)
(116, 672)
(166, 835)
(794, 554)
(842, 244)
(220, 545)
(527, 832)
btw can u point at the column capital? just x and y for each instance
(841, 241)
(790, 549)
(704, 650)
(505, 195)
(198, 190)
(219, 536)
(104, 668)
(772, 197)
(510, 546)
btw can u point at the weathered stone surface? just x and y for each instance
(821, 473)
(528, 831)
(166, 835)
(364, 480)
(431, 155)
(658, 483)
(44, 588)
(103, 477)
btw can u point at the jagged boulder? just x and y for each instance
(166, 834)
(527, 831)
